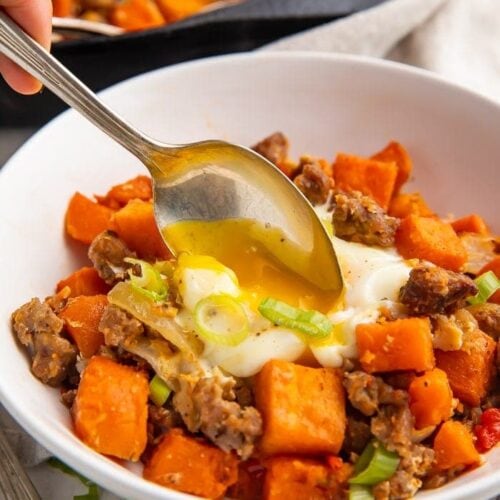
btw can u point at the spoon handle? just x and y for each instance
(33, 58)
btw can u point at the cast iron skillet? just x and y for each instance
(101, 61)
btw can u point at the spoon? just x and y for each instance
(209, 181)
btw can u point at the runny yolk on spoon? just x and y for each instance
(266, 263)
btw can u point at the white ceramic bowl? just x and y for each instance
(323, 103)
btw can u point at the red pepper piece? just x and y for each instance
(488, 430)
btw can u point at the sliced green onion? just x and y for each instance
(159, 391)
(365, 457)
(150, 283)
(312, 323)
(487, 285)
(93, 492)
(376, 464)
(221, 319)
(360, 492)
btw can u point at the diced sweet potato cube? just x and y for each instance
(289, 477)
(404, 344)
(85, 219)
(85, 281)
(470, 224)
(471, 368)
(110, 410)
(373, 178)
(82, 316)
(134, 15)
(175, 10)
(63, 8)
(454, 447)
(135, 225)
(431, 399)
(430, 239)
(395, 152)
(404, 204)
(118, 196)
(186, 464)
(293, 422)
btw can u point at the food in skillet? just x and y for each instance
(222, 382)
(131, 15)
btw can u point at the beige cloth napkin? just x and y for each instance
(459, 39)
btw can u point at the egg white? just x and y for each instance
(248, 358)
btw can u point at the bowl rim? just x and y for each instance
(123, 482)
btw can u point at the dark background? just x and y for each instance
(101, 62)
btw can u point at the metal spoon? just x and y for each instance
(207, 181)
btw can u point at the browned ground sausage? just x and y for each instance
(367, 392)
(433, 290)
(393, 425)
(208, 405)
(313, 181)
(107, 252)
(274, 148)
(118, 326)
(39, 329)
(358, 218)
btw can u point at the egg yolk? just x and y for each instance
(266, 263)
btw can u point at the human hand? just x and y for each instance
(35, 17)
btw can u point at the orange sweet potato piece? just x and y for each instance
(82, 316)
(296, 424)
(63, 8)
(431, 398)
(373, 178)
(430, 239)
(186, 464)
(135, 225)
(85, 281)
(291, 477)
(85, 219)
(134, 15)
(404, 344)
(470, 369)
(289, 168)
(404, 204)
(174, 10)
(395, 152)
(494, 266)
(118, 196)
(453, 446)
(110, 410)
(470, 224)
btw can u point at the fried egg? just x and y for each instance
(372, 276)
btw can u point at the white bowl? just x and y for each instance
(324, 103)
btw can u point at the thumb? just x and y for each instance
(35, 17)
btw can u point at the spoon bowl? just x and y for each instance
(210, 181)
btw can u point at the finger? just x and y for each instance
(35, 17)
